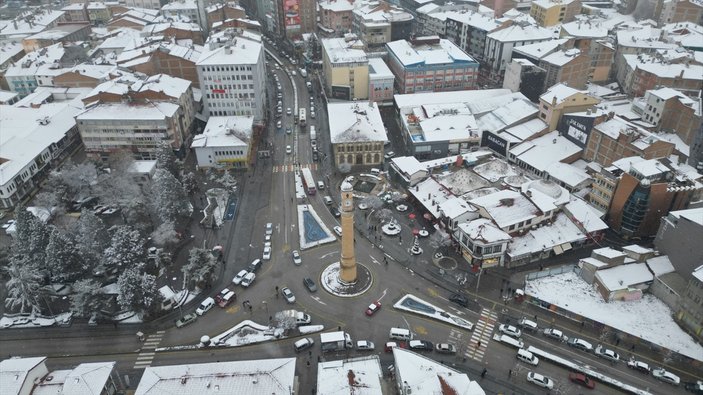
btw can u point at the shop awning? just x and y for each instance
(558, 250)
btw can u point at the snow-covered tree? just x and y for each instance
(168, 198)
(64, 261)
(32, 237)
(189, 183)
(91, 236)
(137, 290)
(165, 234)
(344, 168)
(126, 248)
(118, 188)
(85, 299)
(79, 177)
(200, 268)
(383, 215)
(285, 321)
(23, 286)
(166, 160)
(49, 200)
(373, 202)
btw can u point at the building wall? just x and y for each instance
(602, 189)
(500, 6)
(642, 81)
(433, 78)
(682, 119)
(664, 293)
(690, 314)
(547, 16)
(381, 89)
(681, 11)
(674, 239)
(551, 112)
(604, 150)
(574, 73)
(340, 21)
(236, 157)
(75, 80)
(359, 153)
(354, 75)
(150, 4)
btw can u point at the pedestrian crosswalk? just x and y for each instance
(481, 335)
(147, 353)
(291, 167)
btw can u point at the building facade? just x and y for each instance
(381, 81)
(616, 138)
(570, 67)
(345, 68)
(225, 143)
(561, 99)
(357, 133)
(337, 15)
(553, 12)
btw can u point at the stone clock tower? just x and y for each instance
(347, 272)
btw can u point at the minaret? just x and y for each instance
(347, 273)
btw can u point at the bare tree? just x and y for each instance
(344, 168)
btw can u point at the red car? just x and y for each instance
(373, 308)
(390, 345)
(582, 380)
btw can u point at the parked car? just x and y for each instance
(288, 111)
(309, 284)
(580, 344)
(526, 324)
(639, 366)
(542, 381)
(510, 330)
(582, 380)
(390, 345)
(296, 258)
(221, 295)
(459, 299)
(269, 228)
(248, 280)
(446, 348)
(555, 334)
(364, 345)
(289, 149)
(607, 353)
(373, 308)
(666, 376)
(420, 345)
(288, 295)
(389, 155)
(338, 230)
(267, 253)
(303, 344)
(335, 211)
(289, 130)
(279, 124)
(238, 278)
(186, 320)
(205, 306)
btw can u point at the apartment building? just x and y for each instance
(58, 34)
(671, 111)
(164, 58)
(561, 99)
(337, 15)
(570, 67)
(381, 81)
(345, 67)
(379, 22)
(469, 30)
(553, 12)
(500, 43)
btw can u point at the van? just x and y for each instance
(400, 334)
(524, 323)
(205, 306)
(320, 185)
(254, 266)
(375, 171)
(303, 344)
(527, 357)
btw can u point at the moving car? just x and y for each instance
(542, 381)
(186, 320)
(288, 295)
(555, 334)
(666, 376)
(238, 278)
(303, 344)
(510, 330)
(205, 306)
(288, 111)
(338, 230)
(248, 280)
(390, 345)
(373, 308)
(524, 323)
(328, 200)
(582, 380)
(389, 155)
(459, 299)
(289, 130)
(580, 344)
(420, 345)
(279, 124)
(296, 258)
(289, 149)
(309, 284)
(446, 348)
(364, 345)
(607, 353)
(639, 366)
(335, 212)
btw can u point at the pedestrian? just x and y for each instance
(483, 373)
(276, 288)
(632, 348)
(251, 309)
(510, 373)
(310, 353)
(617, 342)
(308, 363)
(339, 328)
(478, 344)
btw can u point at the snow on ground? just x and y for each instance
(329, 280)
(28, 321)
(494, 170)
(246, 332)
(221, 196)
(301, 228)
(648, 318)
(307, 329)
(430, 310)
(462, 181)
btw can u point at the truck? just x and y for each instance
(300, 317)
(335, 341)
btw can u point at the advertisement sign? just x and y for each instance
(576, 128)
(341, 92)
(497, 144)
(291, 12)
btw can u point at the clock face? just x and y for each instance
(347, 203)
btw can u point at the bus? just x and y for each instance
(308, 181)
(301, 118)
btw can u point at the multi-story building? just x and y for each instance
(431, 64)
(137, 116)
(469, 29)
(637, 40)
(226, 142)
(673, 11)
(357, 133)
(381, 81)
(482, 243)
(690, 312)
(295, 17)
(430, 19)
(233, 76)
(164, 58)
(676, 230)
(561, 99)
(671, 111)
(149, 4)
(31, 22)
(604, 182)
(345, 68)
(570, 67)
(87, 75)
(617, 138)
(591, 37)
(182, 11)
(553, 12)
(76, 13)
(646, 72)
(337, 15)
(602, 58)
(647, 191)
(525, 77)
(175, 31)
(220, 12)
(499, 46)
(22, 76)
(378, 22)
(58, 34)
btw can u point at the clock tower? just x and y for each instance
(347, 273)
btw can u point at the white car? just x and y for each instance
(267, 253)
(555, 334)
(248, 280)
(666, 376)
(269, 228)
(8, 224)
(389, 155)
(542, 381)
(279, 124)
(363, 206)
(239, 277)
(205, 306)
(606, 353)
(288, 295)
(289, 149)
(510, 330)
(338, 230)
(296, 258)
(365, 345)
(288, 111)
(312, 114)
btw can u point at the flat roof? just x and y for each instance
(423, 375)
(540, 49)
(586, 215)
(545, 150)
(624, 276)
(152, 111)
(340, 51)
(420, 99)
(359, 376)
(379, 69)
(243, 51)
(484, 230)
(443, 52)
(507, 207)
(693, 215)
(13, 372)
(225, 132)
(561, 231)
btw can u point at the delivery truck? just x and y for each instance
(335, 341)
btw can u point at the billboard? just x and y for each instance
(497, 144)
(291, 14)
(341, 92)
(576, 128)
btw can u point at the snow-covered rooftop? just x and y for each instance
(507, 115)
(644, 37)
(239, 51)
(355, 121)
(359, 376)
(561, 58)
(540, 49)
(43, 61)
(336, 5)
(408, 165)
(227, 131)
(340, 51)
(586, 215)
(454, 207)
(567, 173)
(152, 111)
(21, 27)
(585, 29)
(442, 53)
(420, 99)
(379, 69)
(462, 181)
(517, 33)
(180, 5)
(423, 375)
(495, 169)
(693, 215)
(88, 378)
(507, 207)
(648, 318)
(698, 273)
(264, 376)
(665, 69)
(430, 194)
(484, 230)
(559, 92)
(13, 372)
(524, 130)
(547, 195)
(545, 150)
(476, 20)
(660, 265)
(608, 252)
(557, 235)
(623, 276)
(592, 261)
(172, 87)
(8, 50)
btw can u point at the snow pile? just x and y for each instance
(647, 318)
(307, 329)
(220, 196)
(28, 321)
(246, 332)
(416, 305)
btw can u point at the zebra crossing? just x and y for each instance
(148, 352)
(291, 167)
(481, 335)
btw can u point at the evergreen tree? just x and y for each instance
(200, 268)
(92, 238)
(166, 160)
(63, 259)
(190, 184)
(169, 199)
(23, 286)
(85, 299)
(126, 248)
(137, 290)
(31, 239)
